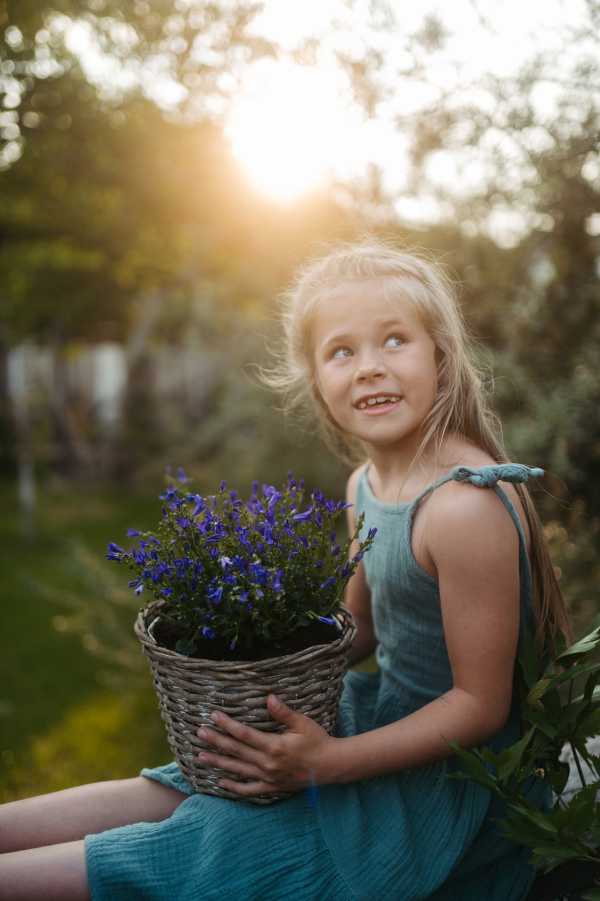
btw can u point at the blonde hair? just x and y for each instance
(461, 404)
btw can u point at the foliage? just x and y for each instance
(550, 723)
(242, 572)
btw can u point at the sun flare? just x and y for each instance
(290, 127)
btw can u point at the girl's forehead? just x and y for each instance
(361, 299)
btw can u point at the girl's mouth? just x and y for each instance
(378, 402)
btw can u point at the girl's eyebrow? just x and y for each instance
(341, 338)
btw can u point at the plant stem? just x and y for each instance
(578, 765)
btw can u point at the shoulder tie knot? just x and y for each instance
(488, 476)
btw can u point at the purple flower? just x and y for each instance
(329, 581)
(304, 517)
(214, 595)
(372, 533)
(222, 486)
(328, 620)
(277, 586)
(131, 533)
(232, 645)
(166, 592)
(114, 548)
(139, 589)
(208, 633)
(134, 583)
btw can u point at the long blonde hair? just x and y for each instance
(461, 404)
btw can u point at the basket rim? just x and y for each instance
(141, 626)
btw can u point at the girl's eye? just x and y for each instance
(395, 341)
(341, 352)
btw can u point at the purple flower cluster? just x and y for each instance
(239, 571)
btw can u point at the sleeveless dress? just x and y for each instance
(406, 836)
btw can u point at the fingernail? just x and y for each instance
(275, 702)
(222, 785)
(203, 758)
(202, 733)
(214, 716)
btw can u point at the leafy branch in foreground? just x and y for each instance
(552, 718)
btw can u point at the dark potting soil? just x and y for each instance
(218, 649)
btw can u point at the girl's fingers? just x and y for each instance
(257, 787)
(230, 746)
(246, 734)
(231, 765)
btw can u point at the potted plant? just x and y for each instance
(245, 601)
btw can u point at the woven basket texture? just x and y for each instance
(310, 681)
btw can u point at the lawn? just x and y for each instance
(76, 699)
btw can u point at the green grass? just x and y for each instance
(76, 700)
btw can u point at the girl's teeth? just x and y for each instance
(377, 400)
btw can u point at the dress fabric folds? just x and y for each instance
(406, 836)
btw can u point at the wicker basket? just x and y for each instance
(310, 681)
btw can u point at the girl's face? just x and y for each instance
(375, 366)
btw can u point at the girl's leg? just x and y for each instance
(70, 815)
(54, 873)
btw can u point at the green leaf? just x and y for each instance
(594, 895)
(552, 702)
(523, 829)
(535, 693)
(185, 647)
(575, 819)
(512, 764)
(589, 726)
(585, 646)
(539, 820)
(474, 771)
(555, 849)
(495, 760)
(528, 658)
(569, 714)
(542, 721)
(558, 778)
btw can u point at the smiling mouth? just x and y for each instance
(379, 400)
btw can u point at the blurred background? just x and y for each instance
(164, 166)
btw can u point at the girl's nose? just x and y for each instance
(371, 366)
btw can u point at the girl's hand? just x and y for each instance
(288, 761)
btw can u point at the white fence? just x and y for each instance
(96, 377)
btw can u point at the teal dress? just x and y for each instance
(401, 837)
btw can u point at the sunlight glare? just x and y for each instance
(290, 127)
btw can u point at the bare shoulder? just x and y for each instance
(464, 519)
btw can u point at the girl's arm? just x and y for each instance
(358, 594)
(473, 545)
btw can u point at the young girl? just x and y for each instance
(458, 569)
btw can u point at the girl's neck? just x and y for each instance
(399, 474)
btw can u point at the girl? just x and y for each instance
(374, 337)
